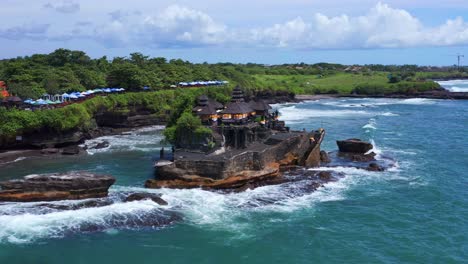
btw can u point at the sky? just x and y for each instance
(271, 32)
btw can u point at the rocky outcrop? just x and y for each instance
(257, 164)
(374, 167)
(71, 150)
(49, 151)
(146, 196)
(101, 145)
(354, 145)
(324, 158)
(314, 154)
(243, 181)
(122, 119)
(53, 187)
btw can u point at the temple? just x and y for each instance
(238, 123)
(246, 143)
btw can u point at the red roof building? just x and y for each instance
(3, 90)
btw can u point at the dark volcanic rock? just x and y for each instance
(86, 204)
(325, 175)
(53, 187)
(50, 151)
(101, 145)
(363, 157)
(324, 157)
(354, 145)
(374, 167)
(150, 219)
(72, 150)
(143, 196)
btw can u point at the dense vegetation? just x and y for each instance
(65, 70)
(80, 115)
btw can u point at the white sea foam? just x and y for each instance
(292, 113)
(375, 149)
(457, 89)
(372, 102)
(225, 212)
(417, 101)
(27, 227)
(455, 85)
(372, 124)
(452, 82)
(143, 139)
(388, 114)
(14, 161)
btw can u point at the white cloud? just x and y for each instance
(381, 27)
(178, 26)
(182, 24)
(64, 7)
(30, 31)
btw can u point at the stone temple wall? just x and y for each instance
(297, 144)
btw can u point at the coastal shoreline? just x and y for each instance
(439, 94)
(10, 155)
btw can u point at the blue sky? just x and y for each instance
(272, 32)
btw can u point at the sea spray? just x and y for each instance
(143, 139)
(29, 227)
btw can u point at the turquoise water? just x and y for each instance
(416, 212)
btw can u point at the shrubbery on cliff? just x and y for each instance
(187, 131)
(79, 115)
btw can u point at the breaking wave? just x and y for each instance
(143, 139)
(13, 161)
(455, 85)
(293, 113)
(35, 224)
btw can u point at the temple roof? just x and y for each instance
(237, 95)
(215, 104)
(202, 100)
(207, 109)
(237, 108)
(260, 105)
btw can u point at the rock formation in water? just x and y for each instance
(53, 187)
(146, 196)
(354, 145)
(258, 163)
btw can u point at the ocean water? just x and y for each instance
(455, 85)
(416, 212)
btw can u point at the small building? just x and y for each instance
(11, 101)
(237, 111)
(207, 110)
(260, 107)
(3, 90)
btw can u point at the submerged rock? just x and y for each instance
(50, 151)
(72, 150)
(324, 157)
(375, 167)
(86, 204)
(101, 145)
(324, 175)
(354, 145)
(146, 196)
(53, 187)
